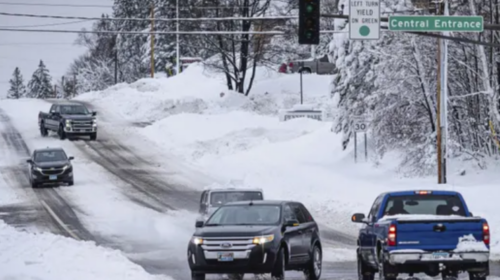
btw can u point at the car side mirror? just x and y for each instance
(94, 113)
(29, 161)
(198, 224)
(71, 158)
(291, 223)
(359, 218)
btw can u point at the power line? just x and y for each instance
(54, 5)
(44, 25)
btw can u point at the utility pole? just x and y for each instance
(444, 97)
(152, 40)
(177, 67)
(116, 65)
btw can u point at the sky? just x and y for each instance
(57, 50)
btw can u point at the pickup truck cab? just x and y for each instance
(429, 232)
(68, 120)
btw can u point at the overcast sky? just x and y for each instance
(57, 50)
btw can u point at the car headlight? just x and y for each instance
(68, 122)
(94, 122)
(263, 239)
(197, 240)
(66, 167)
(38, 169)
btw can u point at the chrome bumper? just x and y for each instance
(404, 257)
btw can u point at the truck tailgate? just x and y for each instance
(442, 234)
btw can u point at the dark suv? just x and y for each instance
(50, 166)
(256, 237)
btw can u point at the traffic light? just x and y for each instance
(309, 22)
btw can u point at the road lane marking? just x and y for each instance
(58, 220)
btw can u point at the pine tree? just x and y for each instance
(40, 84)
(17, 87)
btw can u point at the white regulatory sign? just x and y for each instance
(359, 125)
(364, 19)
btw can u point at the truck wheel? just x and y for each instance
(305, 71)
(34, 185)
(197, 276)
(279, 267)
(61, 133)
(364, 271)
(93, 136)
(71, 183)
(383, 267)
(313, 270)
(43, 130)
(476, 276)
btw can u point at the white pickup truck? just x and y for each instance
(212, 198)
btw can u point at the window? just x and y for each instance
(298, 213)
(48, 156)
(74, 110)
(203, 197)
(246, 215)
(288, 213)
(375, 207)
(220, 198)
(308, 215)
(424, 205)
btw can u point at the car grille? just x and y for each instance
(53, 171)
(232, 244)
(79, 124)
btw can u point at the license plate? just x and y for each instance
(440, 255)
(225, 257)
(53, 177)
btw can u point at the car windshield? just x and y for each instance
(74, 110)
(424, 205)
(245, 215)
(220, 198)
(47, 156)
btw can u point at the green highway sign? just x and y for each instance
(436, 23)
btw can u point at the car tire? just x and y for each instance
(364, 272)
(61, 133)
(278, 272)
(475, 276)
(236, 276)
(382, 267)
(197, 276)
(71, 183)
(313, 270)
(34, 185)
(43, 131)
(93, 136)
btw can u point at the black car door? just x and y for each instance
(305, 230)
(293, 235)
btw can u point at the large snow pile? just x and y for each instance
(240, 138)
(52, 257)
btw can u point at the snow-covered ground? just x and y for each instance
(237, 138)
(47, 256)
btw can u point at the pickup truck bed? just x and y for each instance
(443, 238)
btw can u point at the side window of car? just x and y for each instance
(298, 213)
(288, 214)
(203, 197)
(307, 215)
(376, 206)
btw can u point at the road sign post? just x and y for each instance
(436, 23)
(364, 19)
(360, 125)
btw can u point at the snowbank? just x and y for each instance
(52, 257)
(238, 138)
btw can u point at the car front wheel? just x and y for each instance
(313, 271)
(279, 267)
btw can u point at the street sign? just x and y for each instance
(364, 19)
(359, 125)
(436, 23)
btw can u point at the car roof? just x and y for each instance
(233, 189)
(69, 103)
(259, 202)
(49, 150)
(415, 192)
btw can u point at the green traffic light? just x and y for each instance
(309, 8)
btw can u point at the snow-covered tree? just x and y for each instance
(40, 84)
(17, 87)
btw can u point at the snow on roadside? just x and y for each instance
(52, 257)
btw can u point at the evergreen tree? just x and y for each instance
(40, 84)
(17, 87)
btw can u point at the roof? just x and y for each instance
(412, 192)
(49, 149)
(69, 103)
(259, 202)
(233, 189)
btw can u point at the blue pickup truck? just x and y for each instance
(429, 232)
